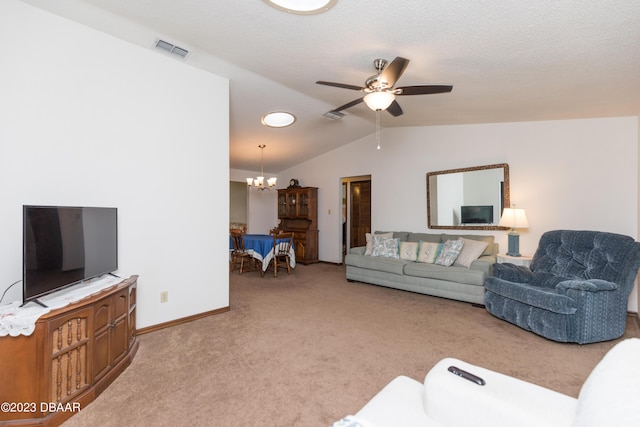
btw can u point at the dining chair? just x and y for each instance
(282, 243)
(240, 257)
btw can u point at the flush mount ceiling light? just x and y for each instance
(278, 119)
(302, 7)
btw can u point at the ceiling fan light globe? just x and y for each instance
(379, 100)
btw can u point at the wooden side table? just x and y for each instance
(524, 260)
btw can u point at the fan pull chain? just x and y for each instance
(378, 128)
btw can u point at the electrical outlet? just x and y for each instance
(164, 296)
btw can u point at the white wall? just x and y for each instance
(574, 174)
(91, 120)
(262, 206)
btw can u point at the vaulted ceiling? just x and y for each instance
(507, 61)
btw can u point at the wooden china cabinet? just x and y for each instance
(298, 213)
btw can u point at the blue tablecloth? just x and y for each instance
(261, 247)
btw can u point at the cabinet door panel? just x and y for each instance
(132, 314)
(69, 366)
(101, 354)
(102, 316)
(120, 304)
(120, 338)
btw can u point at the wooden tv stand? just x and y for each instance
(73, 354)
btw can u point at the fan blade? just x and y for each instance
(340, 85)
(394, 109)
(424, 90)
(393, 71)
(348, 105)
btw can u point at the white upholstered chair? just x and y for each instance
(609, 397)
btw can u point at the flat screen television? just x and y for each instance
(476, 214)
(65, 245)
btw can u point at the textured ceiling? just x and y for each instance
(507, 61)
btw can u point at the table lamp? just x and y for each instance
(513, 218)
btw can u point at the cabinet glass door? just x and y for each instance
(282, 204)
(304, 204)
(291, 204)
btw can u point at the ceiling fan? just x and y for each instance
(380, 93)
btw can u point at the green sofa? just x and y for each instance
(454, 282)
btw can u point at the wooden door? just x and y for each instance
(360, 219)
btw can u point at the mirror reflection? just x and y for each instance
(468, 198)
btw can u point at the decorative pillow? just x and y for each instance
(489, 239)
(367, 236)
(471, 251)
(450, 251)
(429, 251)
(409, 251)
(385, 247)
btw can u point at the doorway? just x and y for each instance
(356, 212)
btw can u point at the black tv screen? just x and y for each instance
(476, 214)
(65, 245)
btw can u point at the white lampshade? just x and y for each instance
(379, 100)
(514, 218)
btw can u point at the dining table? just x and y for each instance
(261, 248)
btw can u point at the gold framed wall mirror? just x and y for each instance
(468, 198)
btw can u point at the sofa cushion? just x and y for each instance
(389, 265)
(484, 264)
(449, 253)
(467, 276)
(400, 235)
(358, 250)
(489, 239)
(423, 237)
(471, 251)
(428, 252)
(409, 251)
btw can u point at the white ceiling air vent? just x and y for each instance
(171, 48)
(333, 115)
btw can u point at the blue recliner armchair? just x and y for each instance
(576, 290)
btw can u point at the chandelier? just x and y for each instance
(258, 183)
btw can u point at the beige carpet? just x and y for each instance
(308, 349)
